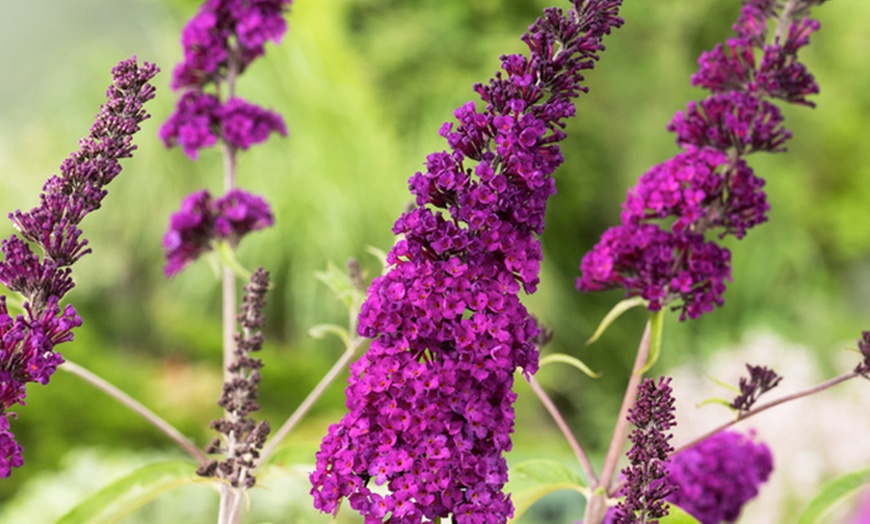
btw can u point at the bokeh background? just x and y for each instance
(363, 86)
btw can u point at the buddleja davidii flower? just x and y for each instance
(202, 221)
(430, 404)
(716, 477)
(709, 187)
(28, 341)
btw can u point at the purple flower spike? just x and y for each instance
(27, 342)
(660, 252)
(716, 477)
(430, 404)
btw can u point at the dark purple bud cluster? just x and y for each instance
(864, 347)
(27, 350)
(645, 487)
(761, 380)
(430, 404)
(716, 477)
(661, 251)
(203, 220)
(242, 436)
(219, 43)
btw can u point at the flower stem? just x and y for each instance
(228, 282)
(752, 412)
(566, 431)
(312, 397)
(597, 505)
(231, 499)
(168, 429)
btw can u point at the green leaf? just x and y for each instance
(533, 479)
(321, 330)
(228, 256)
(124, 496)
(656, 324)
(617, 311)
(380, 255)
(832, 493)
(571, 361)
(340, 284)
(677, 515)
(294, 454)
(720, 401)
(723, 384)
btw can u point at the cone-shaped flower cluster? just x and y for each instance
(219, 43)
(28, 340)
(645, 486)
(716, 477)
(431, 402)
(661, 251)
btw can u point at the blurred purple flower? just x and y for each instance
(430, 404)
(661, 251)
(716, 477)
(194, 125)
(224, 35)
(27, 341)
(244, 124)
(862, 513)
(202, 219)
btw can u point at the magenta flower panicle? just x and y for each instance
(27, 350)
(430, 404)
(662, 251)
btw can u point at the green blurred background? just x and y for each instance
(363, 86)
